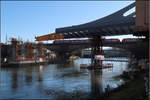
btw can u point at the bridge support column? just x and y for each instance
(62, 56)
(96, 44)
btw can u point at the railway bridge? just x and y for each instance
(135, 23)
(64, 50)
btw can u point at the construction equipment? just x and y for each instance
(52, 36)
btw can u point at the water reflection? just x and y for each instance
(28, 75)
(14, 84)
(96, 82)
(58, 80)
(40, 73)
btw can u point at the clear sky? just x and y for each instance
(27, 19)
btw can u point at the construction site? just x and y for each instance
(23, 53)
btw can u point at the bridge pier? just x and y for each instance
(62, 56)
(142, 51)
(96, 49)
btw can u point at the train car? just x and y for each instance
(130, 40)
(86, 41)
(61, 41)
(66, 41)
(82, 41)
(111, 41)
(57, 41)
(75, 41)
(70, 41)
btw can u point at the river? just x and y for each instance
(58, 81)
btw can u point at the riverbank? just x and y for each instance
(134, 89)
(136, 83)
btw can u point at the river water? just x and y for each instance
(58, 81)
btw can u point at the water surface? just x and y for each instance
(57, 81)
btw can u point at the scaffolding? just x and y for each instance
(96, 49)
(41, 47)
(30, 50)
(15, 43)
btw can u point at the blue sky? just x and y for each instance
(27, 19)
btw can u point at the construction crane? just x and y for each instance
(52, 36)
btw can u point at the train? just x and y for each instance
(70, 41)
(125, 40)
(111, 40)
(114, 40)
(84, 41)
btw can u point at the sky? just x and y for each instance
(27, 19)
